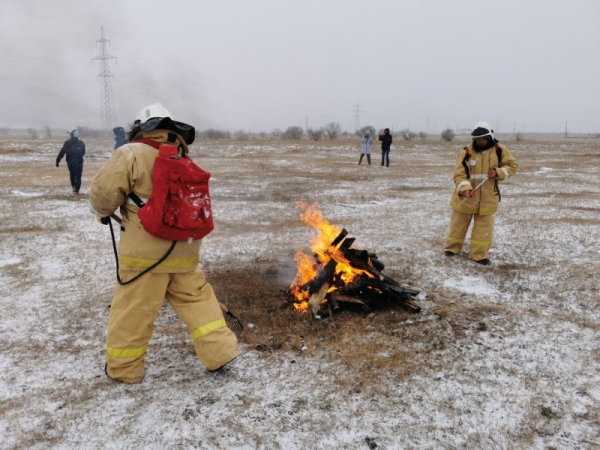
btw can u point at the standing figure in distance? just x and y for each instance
(386, 143)
(177, 279)
(367, 143)
(479, 167)
(73, 149)
(120, 138)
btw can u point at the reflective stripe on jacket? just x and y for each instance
(484, 201)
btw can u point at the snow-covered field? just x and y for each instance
(504, 356)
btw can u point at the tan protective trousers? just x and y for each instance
(135, 307)
(481, 235)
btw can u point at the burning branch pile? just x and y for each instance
(338, 273)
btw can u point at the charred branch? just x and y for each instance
(344, 299)
(338, 239)
(322, 276)
(356, 262)
(346, 244)
(332, 301)
(373, 291)
(376, 263)
(326, 272)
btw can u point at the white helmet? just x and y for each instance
(153, 111)
(482, 129)
(156, 116)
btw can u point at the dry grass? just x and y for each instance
(463, 353)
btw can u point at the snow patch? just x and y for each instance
(9, 262)
(471, 285)
(27, 194)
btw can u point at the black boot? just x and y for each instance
(484, 262)
(361, 157)
(369, 159)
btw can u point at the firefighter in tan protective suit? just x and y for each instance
(479, 168)
(178, 279)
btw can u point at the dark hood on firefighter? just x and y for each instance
(490, 142)
(187, 132)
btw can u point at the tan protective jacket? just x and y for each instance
(484, 201)
(129, 169)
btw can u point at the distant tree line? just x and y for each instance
(331, 131)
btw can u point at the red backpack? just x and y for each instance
(179, 208)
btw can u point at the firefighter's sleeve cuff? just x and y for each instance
(463, 186)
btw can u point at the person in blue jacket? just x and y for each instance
(120, 138)
(73, 150)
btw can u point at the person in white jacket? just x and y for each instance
(367, 143)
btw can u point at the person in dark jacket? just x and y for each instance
(386, 142)
(120, 138)
(73, 149)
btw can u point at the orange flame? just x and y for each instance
(323, 252)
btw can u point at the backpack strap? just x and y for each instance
(496, 188)
(135, 199)
(466, 160)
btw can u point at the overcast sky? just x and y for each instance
(258, 65)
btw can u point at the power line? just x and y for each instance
(54, 80)
(107, 115)
(175, 77)
(29, 60)
(31, 82)
(170, 76)
(42, 41)
(227, 100)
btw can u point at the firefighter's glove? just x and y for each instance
(104, 220)
(467, 193)
(57, 163)
(492, 174)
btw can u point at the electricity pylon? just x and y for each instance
(357, 112)
(107, 114)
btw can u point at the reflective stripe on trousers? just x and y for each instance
(481, 235)
(136, 306)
